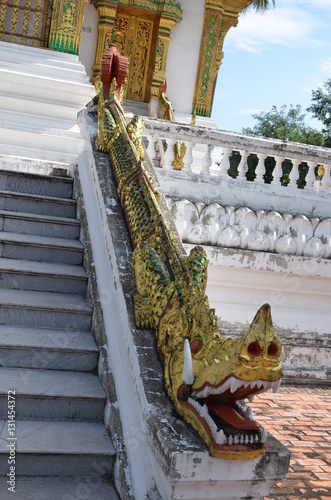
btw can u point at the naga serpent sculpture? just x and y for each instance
(208, 378)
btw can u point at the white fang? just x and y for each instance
(188, 376)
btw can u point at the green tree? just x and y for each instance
(321, 109)
(261, 5)
(286, 125)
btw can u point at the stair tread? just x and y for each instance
(38, 197)
(44, 300)
(45, 268)
(50, 383)
(65, 438)
(51, 219)
(55, 488)
(40, 240)
(21, 337)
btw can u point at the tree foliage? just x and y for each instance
(321, 109)
(286, 125)
(261, 5)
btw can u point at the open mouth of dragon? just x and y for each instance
(225, 416)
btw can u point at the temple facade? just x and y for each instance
(84, 370)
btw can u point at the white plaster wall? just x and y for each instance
(183, 56)
(89, 39)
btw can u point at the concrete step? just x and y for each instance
(44, 309)
(42, 205)
(40, 248)
(61, 488)
(52, 395)
(42, 276)
(58, 449)
(59, 187)
(40, 225)
(47, 348)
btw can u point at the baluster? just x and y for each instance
(14, 16)
(326, 179)
(278, 170)
(242, 167)
(188, 158)
(151, 150)
(27, 10)
(225, 162)
(260, 169)
(310, 177)
(37, 16)
(198, 152)
(3, 12)
(168, 157)
(207, 161)
(216, 154)
(294, 174)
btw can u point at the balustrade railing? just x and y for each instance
(240, 157)
(25, 21)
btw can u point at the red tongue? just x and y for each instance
(230, 416)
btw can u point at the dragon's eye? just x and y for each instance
(196, 345)
(254, 349)
(272, 350)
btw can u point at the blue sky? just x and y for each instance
(274, 58)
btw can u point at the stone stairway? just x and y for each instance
(48, 357)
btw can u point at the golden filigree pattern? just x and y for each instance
(25, 22)
(66, 27)
(219, 17)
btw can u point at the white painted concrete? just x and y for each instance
(41, 92)
(89, 38)
(183, 56)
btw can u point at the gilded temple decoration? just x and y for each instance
(141, 31)
(219, 17)
(207, 377)
(66, 27)
(33, 29)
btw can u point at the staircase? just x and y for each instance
(48, 357)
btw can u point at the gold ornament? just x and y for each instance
(206, 377)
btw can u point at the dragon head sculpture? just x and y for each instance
(207, 378)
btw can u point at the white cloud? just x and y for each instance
(326, 66)
(289, 27)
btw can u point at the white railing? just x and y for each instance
(209, 151)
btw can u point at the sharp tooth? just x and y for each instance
(267, 386)
(251, 399)
(276, 385)
(263, 435)
(230, 439)
(256, 438)
(234, 384)
(249, 413)
(236, 439)
(259, 384)
(220, 437)
(243, 404)
(188, 376)
(251, 439)
(204, 410)
(246, 439)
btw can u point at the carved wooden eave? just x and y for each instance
(219, 17)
